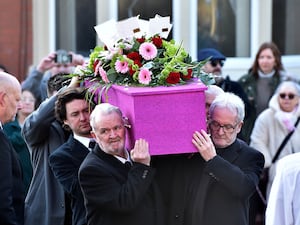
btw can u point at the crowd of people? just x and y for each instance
(64, 161)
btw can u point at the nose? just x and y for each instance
(112, 133)
(19, 105)
(84, 116)
(221, 130)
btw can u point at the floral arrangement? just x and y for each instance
(140, 61)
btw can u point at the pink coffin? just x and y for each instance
(165, 116)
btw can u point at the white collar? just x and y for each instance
(122, 159)
(83, 140)
(266, 75)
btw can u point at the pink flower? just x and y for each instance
(148, 50)
(145, 76)
(121, 66)
(103, 75)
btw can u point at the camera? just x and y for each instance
(62, 57)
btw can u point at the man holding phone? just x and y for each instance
(60, 61)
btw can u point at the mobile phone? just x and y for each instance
(62, 58)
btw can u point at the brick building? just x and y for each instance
(16, 36)
(30, 29)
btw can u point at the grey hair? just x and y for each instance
(230, 101)
(213, 90)
(103, 109)
(288, 84)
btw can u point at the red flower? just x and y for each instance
(188, 76)
(157, 41)
(141, 40)
(95, 64)
(173, 78)
(134, 56)
(131, 71)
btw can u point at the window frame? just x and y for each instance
(185, 31)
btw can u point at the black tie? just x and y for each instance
(127, 164)
(92, 144)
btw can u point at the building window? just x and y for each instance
(224, 25)
(145, 8)
(75, 21)
(284, 27)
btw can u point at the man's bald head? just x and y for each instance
(8, 81)
(10, 96)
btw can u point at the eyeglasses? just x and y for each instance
(289, 95)
(215, 62)
(227, 128)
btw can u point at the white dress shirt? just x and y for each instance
(122, 159)
(284, 201)
(83, 140)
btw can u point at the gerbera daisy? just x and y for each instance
(121, 66)
(145, 76)
(148, 50)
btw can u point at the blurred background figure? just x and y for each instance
(284, 202)
(274, 124)
(211, 93)
(13, 131)
(261, 81)
(57, 62)
(270, 129)
(214, 64)
(46, 202)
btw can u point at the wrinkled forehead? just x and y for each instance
(105, 120)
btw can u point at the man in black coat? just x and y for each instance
(11, 185)
(118, 186)
(73, 111)
(212, 187)
(231, 168)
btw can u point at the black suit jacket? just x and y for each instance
(213, 192)
(11, 184)
(65, 162)
(228, 181)
(115, 194)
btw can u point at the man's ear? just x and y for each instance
(239, 127)
(2, 95)
(93, 135)
(66, 122)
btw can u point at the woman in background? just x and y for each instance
(261, 81)
(274, 124)
(13, 131)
